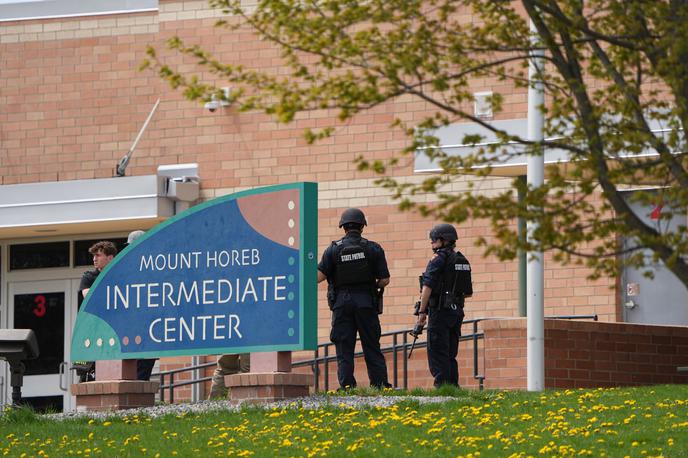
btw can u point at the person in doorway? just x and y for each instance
(144, 367)
(355, 269)
(103, 252)
(445, 284)
(227, 365)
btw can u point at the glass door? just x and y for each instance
(48, 308)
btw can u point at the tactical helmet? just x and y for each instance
(444, 231)
(352, 215)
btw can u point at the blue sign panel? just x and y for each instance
(235, 274)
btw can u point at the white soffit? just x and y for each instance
(15, 10)
(451, 142)
(514, 160)
(83, 206)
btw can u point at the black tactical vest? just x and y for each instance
(352, 264)
(455, 281)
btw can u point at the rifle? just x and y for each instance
(417, 329)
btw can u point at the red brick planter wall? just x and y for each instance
(587, 354)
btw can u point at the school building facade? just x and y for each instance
(72, 101)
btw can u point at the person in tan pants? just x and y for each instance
(227, 365)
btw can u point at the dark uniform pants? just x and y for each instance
(444, 330)
(346, 321)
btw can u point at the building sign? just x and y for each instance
(235, 274)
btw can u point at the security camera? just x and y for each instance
(214, 104)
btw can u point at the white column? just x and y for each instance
(535, 272)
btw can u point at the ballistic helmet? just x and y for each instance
(133, 235)
(445, 232)
(352, 215)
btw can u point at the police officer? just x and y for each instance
(445, 283)
(355, 269)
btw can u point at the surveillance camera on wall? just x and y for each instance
(214, 104)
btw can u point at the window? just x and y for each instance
(39, 255)
(83, 258)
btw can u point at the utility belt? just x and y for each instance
(445, 301)
(377, 294)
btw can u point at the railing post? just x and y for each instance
(326, 372)
(405, 341)
(172, 388)
(394, 359)
(316, 370)
(475, 349)
(162, 387)
(476, 375)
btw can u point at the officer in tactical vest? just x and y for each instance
(355, 269)
(445, 283)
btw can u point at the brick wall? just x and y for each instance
(72, 100)
(587, 354)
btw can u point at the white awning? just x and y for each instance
(98, 205)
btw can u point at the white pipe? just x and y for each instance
(535, 271)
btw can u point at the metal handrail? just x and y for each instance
(326, 358)
(162, 375)
(395, 348)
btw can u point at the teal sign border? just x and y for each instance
(89, 324)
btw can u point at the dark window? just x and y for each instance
(44, 313)
(39, 255)
(83, 258)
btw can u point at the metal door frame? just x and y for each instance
(51, 384)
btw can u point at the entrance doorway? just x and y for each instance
(39, 279)
(662, 299)
(47, 308)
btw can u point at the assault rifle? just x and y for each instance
(417, 329)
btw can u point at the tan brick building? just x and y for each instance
(72, 101)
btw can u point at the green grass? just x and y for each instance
(636, 422)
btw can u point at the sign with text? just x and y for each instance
(235, 274)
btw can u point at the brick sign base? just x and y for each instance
(114, 394)
(271, 380)
(258, 388)
(115, 388)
